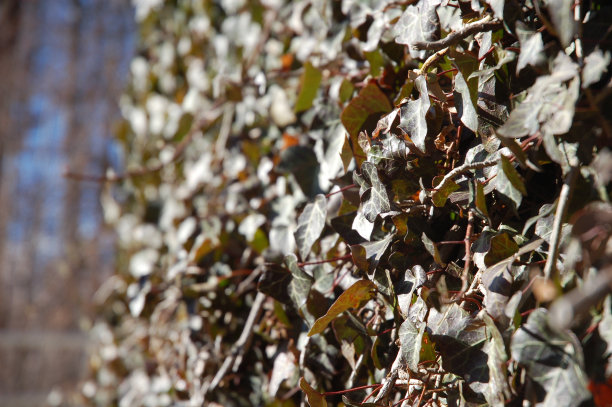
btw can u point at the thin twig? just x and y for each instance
(242, 344)
(387, 386)
(555, 236)
(431, 60)
(468, 252)
(486, 24)
(465, 168)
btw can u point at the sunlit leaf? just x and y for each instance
(358, 293)
(432, 248)
(419, 22)
(439, 196)
(595, 65)
(310, 224)
(314, 398)
(300, 284)
(562, 16)
(366, 255)
(509, 182)
(309, 85)
(460, 339)
(532, 47)
(412, 115)
(375, 199)
(410, 338)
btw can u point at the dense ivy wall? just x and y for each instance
(368, 203)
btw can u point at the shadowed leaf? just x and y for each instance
(553, 359)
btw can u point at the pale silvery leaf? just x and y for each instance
(532, 47)
(595, 65)
(412, 115)
(310, 224)
(419, 22)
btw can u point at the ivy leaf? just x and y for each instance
(460, 339)
(508, 181)
(367, 255)
(310, 224)
(498, 390)
(466, 97)
(300, 284)
(595, 65)
(301, 161)
(480, 200)
(352, 340)
(432, 248)
(419, 22)
(370, 101)
(358, 293)
(440, 196)
(313, 397)
(411, 338)
(553, 359)
(274, 282)
(532, 47)
(502, 247)
(412, 115)
(562, 16)
(309, 85)
(375, 199)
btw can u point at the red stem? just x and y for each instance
(369, 386)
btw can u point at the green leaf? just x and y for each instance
(411, 338)
(351, 339)
(509, 182)
(375, 199)
(313, 397)
(553, 359)
(412, 115)
(358, 293)
(346, 90)
(480, 202)
(502, 247)
(309, 85)
(184, 126)
(310, 224)
(439, 196)
(370, 101)
(432, 248)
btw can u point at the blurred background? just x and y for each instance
(63, 65)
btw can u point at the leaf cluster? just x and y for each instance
(374, 203)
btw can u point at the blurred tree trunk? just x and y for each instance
(63, 64)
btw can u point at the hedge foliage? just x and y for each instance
(361, 203)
